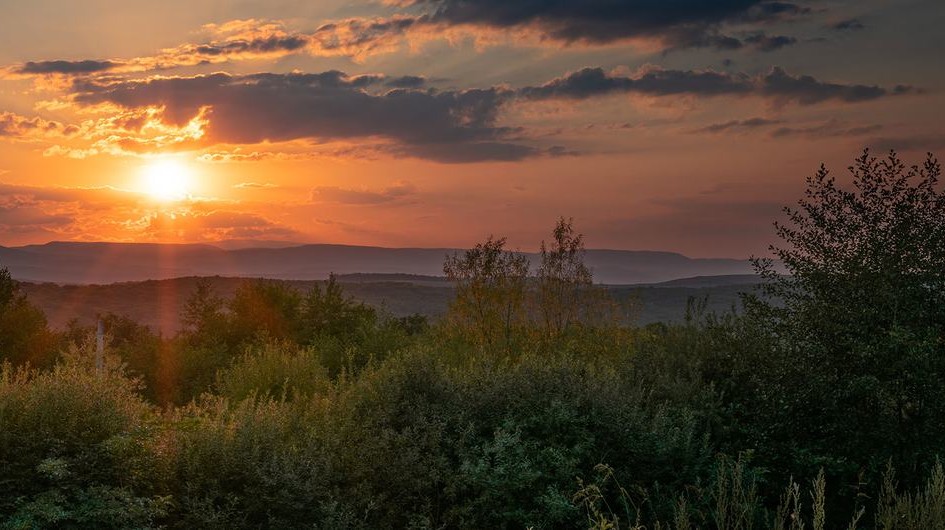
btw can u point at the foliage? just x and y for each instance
(273, 371)
(859, 325)
(290, 409)
(562, 278)
(24, 336)
(490, 293)
(75, 449)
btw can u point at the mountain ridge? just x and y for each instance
(83, 263)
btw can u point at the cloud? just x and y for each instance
(688, 23)
(29, 213)
(737, 125)
(769, 43)
(777, 85)
(807, 90)
(406, 81)
(592, 82)
(330, 106)
(334, 194)
(831, 128)
(16, 126)
(850, 24)
(66, 67)
(254, 185)
(360, 37)
(199, 224)
(238, 40)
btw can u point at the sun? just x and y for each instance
(167, 180)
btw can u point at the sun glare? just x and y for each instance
(166, 180)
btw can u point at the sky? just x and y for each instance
(677, 125)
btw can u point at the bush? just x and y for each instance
(75, 449)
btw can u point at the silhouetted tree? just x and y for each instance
(860, 317)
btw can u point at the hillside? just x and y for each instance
(157, 303)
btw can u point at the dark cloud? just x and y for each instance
(831, 128)
(774, 11)
(66, 67)
(737, 125)
(685, 23)
(335, 194)
(769, 43)
(449, 125)
(777, 84)
(407, 81)
(592, 82)
(269, 44)
(850, 24)
(807, 90)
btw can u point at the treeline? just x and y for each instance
(531, 404)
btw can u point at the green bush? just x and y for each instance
(278, 371)
(75, 449)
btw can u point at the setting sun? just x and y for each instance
(166, 180)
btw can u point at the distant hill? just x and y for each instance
(158, 303)
(102, 263)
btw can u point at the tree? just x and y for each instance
(329, 312)
(490, 292)
(24, 335)
(203, 316)
(565, 294)
(265, 308)
(860, 316)
(866, 260)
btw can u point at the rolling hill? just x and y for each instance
(158, 303)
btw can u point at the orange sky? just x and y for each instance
(434, 123)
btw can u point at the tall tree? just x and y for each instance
(564, 283)
(861, 313)
(490, 292)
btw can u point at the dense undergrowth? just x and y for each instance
(529, 406)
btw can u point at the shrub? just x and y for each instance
(75, 449)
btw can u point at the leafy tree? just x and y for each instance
(203, 317)
(133, 343)
(565, 294)
(860, 318)
(24, 335)
(562, 279)
(265, 308)
(330, 312)
(490, 292)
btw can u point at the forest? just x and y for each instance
(818, 402)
